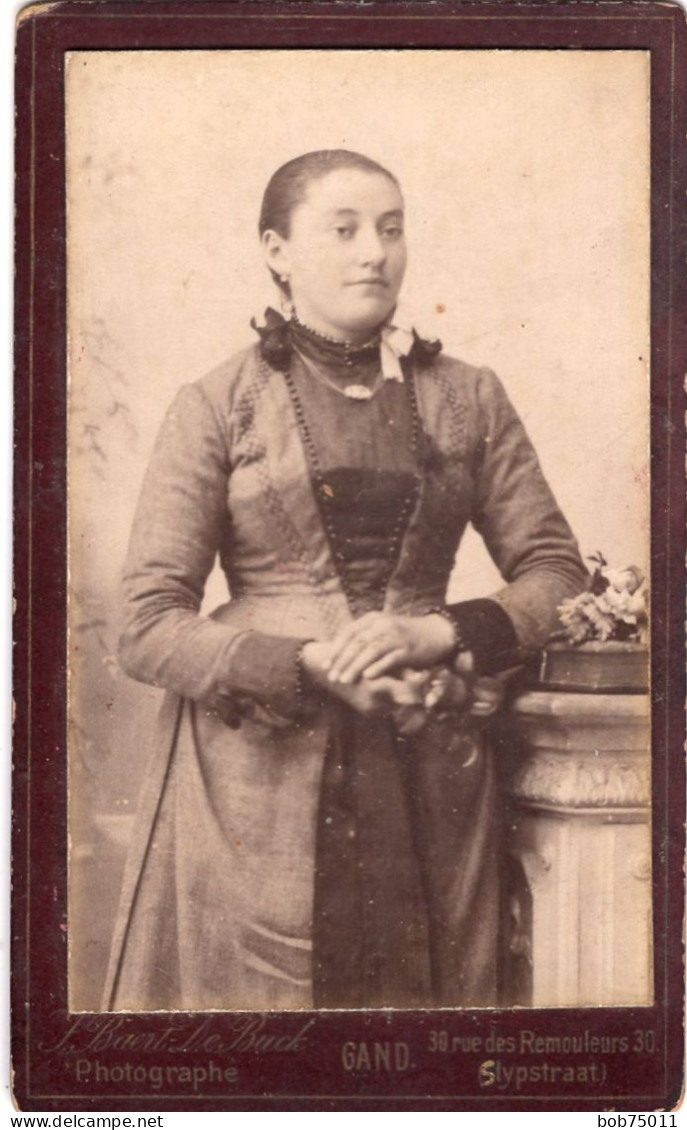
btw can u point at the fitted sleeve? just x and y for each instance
(177, 530)
(526, 535)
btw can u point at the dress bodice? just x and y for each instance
(362, 457)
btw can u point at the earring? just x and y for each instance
(284, 278)
(287, 307)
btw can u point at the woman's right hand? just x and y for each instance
(368, 696)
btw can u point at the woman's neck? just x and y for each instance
(352, 341)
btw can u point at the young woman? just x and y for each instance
(320, 821)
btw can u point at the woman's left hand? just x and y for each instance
(379, 642)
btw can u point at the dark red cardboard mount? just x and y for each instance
(294, 1061)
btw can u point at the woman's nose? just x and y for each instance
(371, 247)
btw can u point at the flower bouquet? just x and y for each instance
(603, 644)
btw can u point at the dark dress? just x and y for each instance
(291, 853)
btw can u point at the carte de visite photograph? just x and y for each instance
(358, 499)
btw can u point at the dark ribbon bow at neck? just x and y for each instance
(276, 342)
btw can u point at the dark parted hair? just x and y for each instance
(288, 186)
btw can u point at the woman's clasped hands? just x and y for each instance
(392, 664)
(380, 642)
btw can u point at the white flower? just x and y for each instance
(623, 580)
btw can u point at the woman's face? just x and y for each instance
(345, 256)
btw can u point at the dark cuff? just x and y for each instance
(486, 630)
(268, 669)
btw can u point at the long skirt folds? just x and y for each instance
(357, 871)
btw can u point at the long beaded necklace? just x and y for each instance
(324, 496)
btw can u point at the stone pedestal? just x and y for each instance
(578, 913)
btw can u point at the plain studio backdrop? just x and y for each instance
(526, 181)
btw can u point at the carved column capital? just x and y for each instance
(582, 752)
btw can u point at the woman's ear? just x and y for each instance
(275, 248)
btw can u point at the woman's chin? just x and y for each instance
(364, 324)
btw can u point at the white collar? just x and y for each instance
(397, 342)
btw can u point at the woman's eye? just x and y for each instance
(393, 231)
(344, 231)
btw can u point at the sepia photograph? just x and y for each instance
(358, 502)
